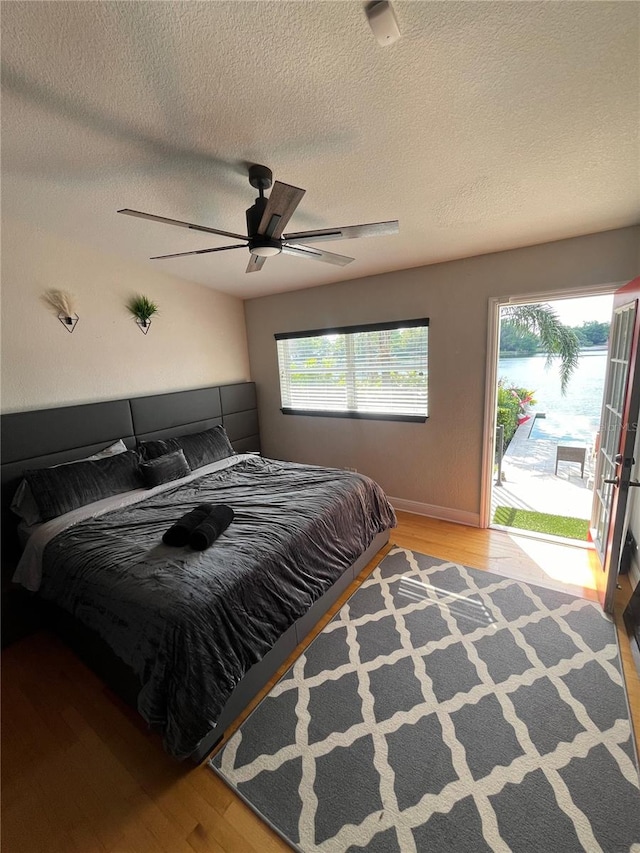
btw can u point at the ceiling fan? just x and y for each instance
(266, 220)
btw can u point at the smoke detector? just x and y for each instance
(382, 21)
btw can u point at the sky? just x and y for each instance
(575, 312)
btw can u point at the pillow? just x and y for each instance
(117, 447)
(24, 504)
(200, 448)
(170, 466)
(63, 488)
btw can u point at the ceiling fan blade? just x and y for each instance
(199, 252)
(256, 262)
(181, 224)
(346, 232)
(281, 206)
(316, 254)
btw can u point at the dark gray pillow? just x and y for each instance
(170, 466)
(159, 447)
(200, 448)
(66, 487)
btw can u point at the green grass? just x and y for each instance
(541, 522)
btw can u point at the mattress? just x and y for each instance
(190, 624)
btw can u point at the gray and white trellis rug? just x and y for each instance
(446, 709)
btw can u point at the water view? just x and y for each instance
(575, 417)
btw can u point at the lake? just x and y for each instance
(575, 417)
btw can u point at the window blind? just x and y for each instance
(378, 370)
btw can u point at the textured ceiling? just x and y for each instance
(488, 126)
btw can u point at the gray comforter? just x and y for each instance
(190, 624)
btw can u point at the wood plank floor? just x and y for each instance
(80, 773)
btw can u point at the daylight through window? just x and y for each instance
(376, 371)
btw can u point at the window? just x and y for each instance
(374, 371)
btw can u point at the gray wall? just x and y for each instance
(436, 464)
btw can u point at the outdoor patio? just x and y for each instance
(529, 481)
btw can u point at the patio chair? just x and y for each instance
(566, 453)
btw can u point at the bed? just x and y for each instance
(187, 637)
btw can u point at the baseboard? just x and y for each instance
(457, 516)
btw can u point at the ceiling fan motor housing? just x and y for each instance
(254, 216)
(260, 244)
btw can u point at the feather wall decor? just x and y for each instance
(61, 302)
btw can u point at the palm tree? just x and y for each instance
(556, 339)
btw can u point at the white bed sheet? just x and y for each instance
(28, 572)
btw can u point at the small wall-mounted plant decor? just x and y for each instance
(62, 303)
(143, 310)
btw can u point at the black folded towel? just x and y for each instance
(213, 525)
(178, 534)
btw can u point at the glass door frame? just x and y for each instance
(495, 303)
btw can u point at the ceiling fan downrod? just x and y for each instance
(263, 245)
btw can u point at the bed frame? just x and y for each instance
(36, 439)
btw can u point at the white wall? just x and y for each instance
(197, 339)
(436, 464)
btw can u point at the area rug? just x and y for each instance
(451, 710)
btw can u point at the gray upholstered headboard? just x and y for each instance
(36, 439)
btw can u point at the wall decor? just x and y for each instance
(143, 310)
(61, 302)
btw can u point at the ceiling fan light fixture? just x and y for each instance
(265, 248)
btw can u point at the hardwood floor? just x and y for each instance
(80, 773)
